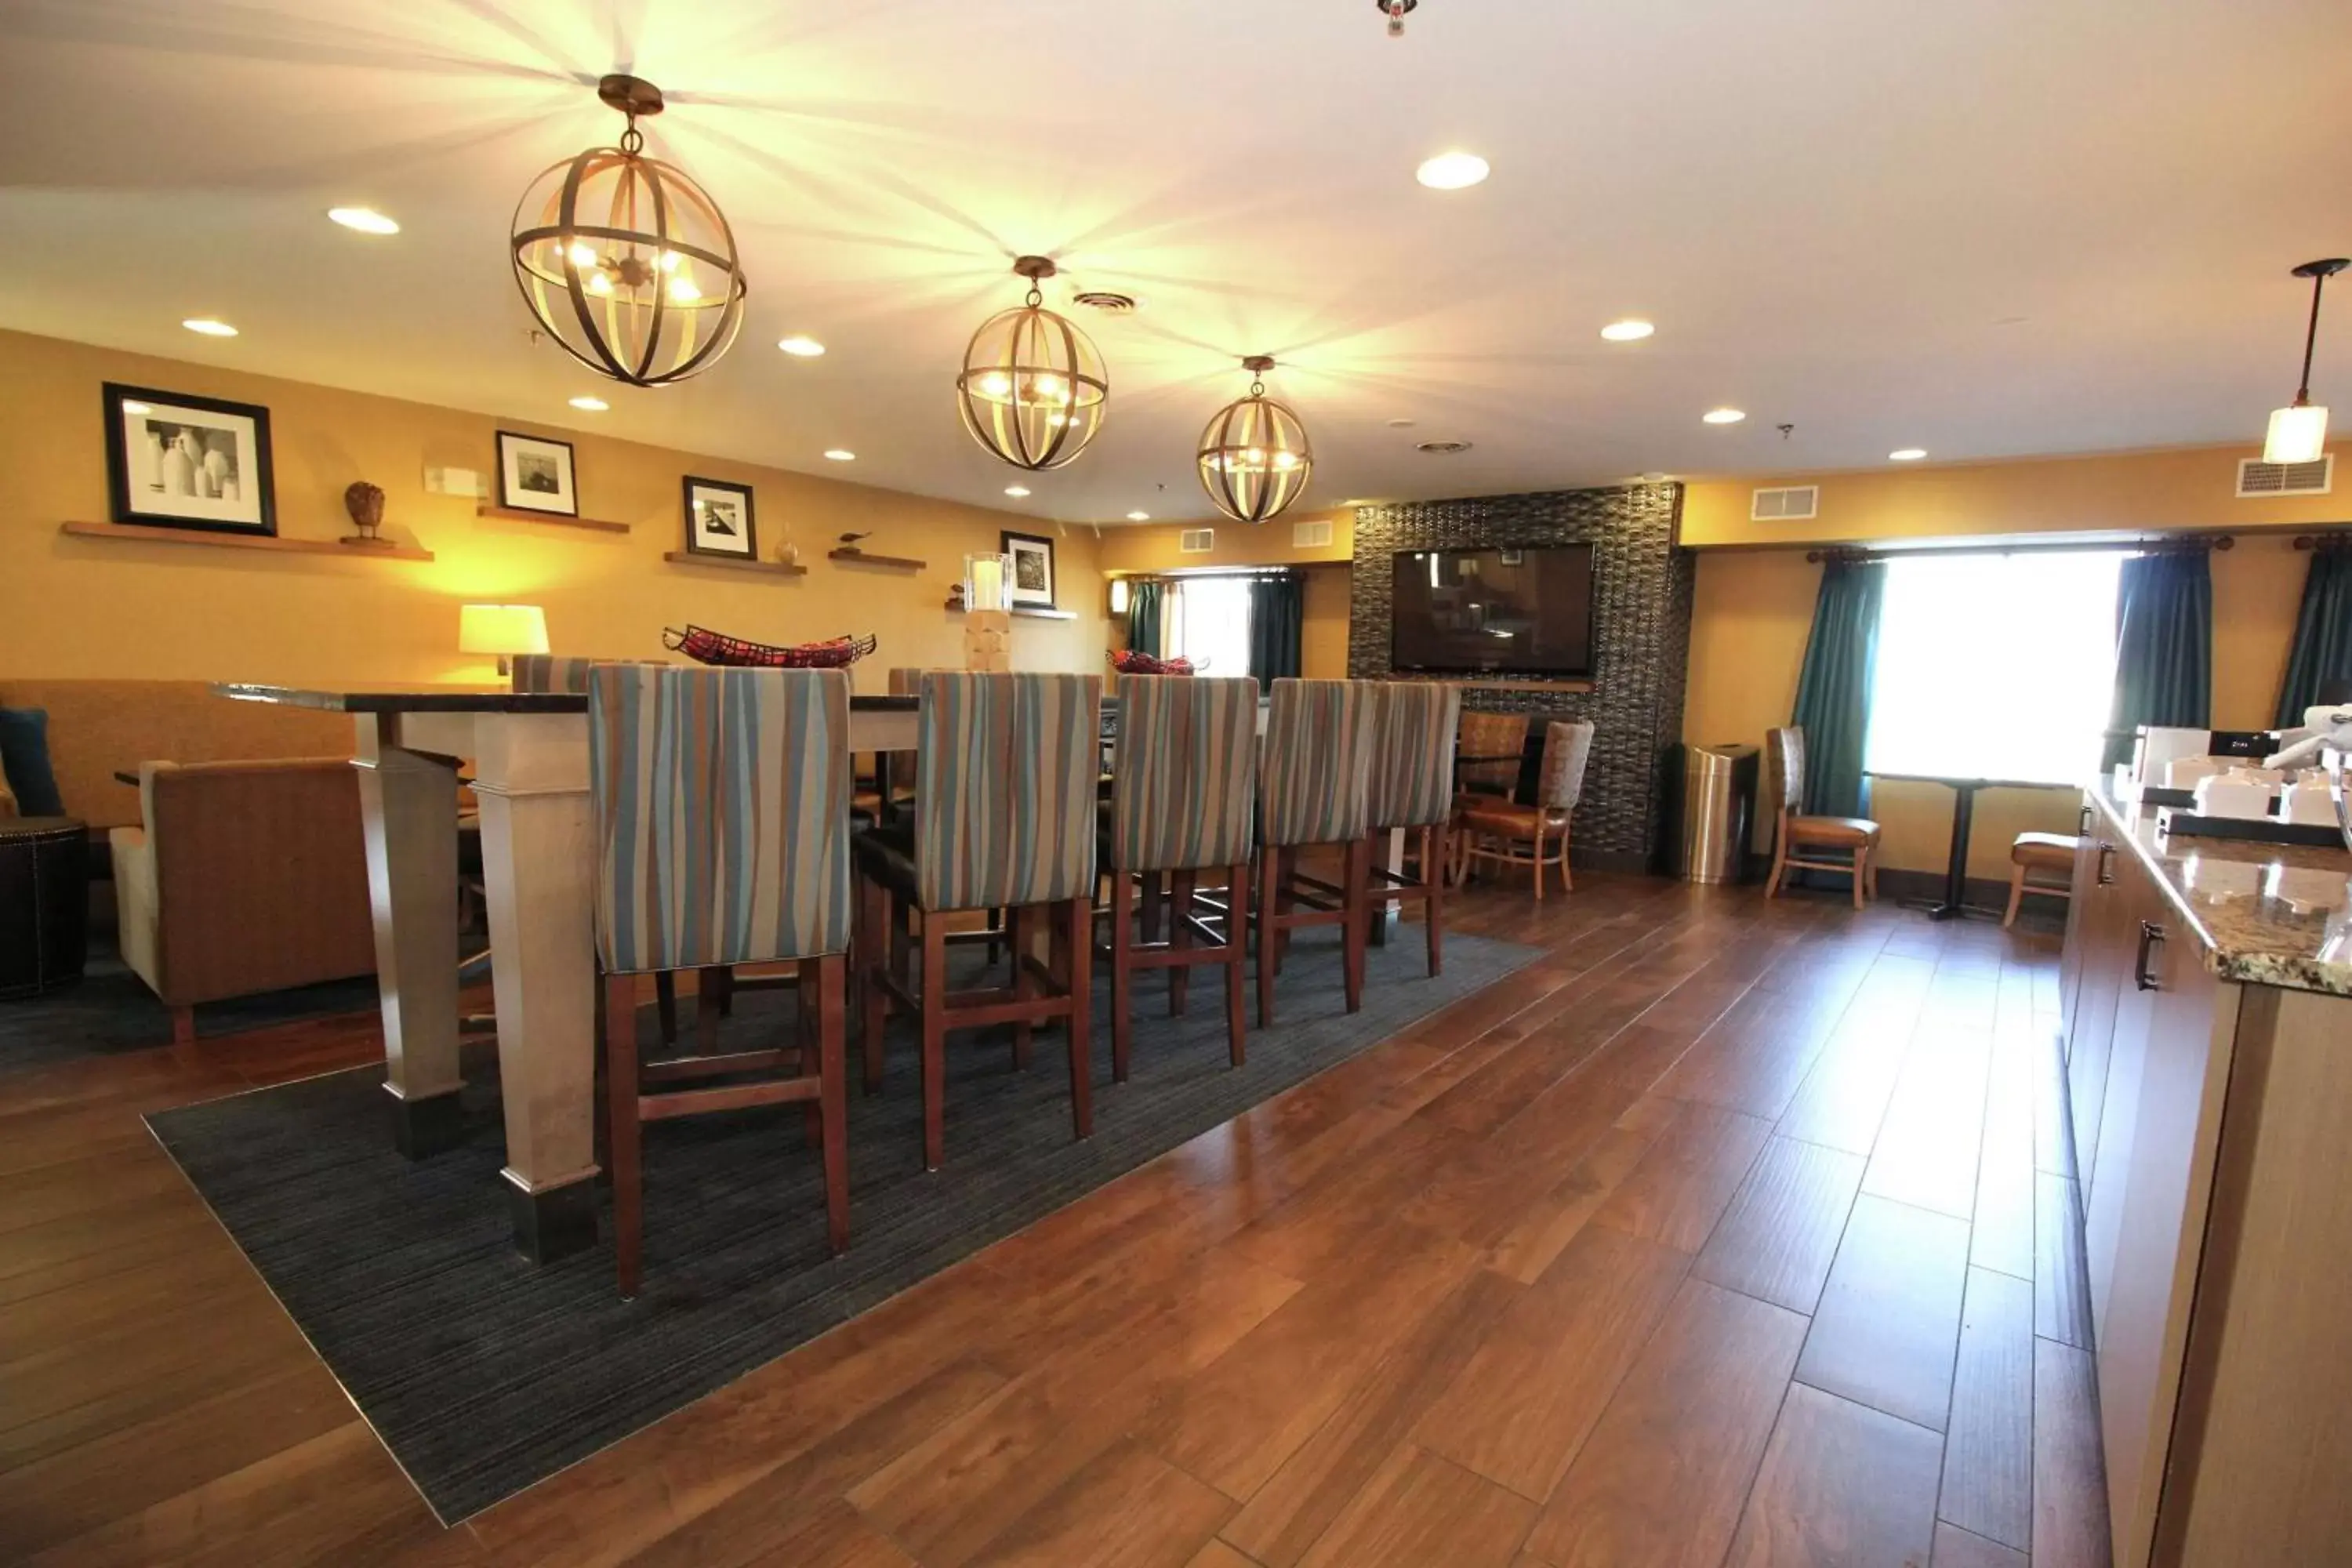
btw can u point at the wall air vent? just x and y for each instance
(1197, 540)
(2256, 478)
(1791, 503)
(1314, 535)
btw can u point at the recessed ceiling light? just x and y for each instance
(1452, 171)
(1627, 330)
(1724, 416)
(590, 405)
(209, 327)
(1016, 491)
(367, 220)
(841, 454)
(1441, 448)
(1139, 517)
(801, 347)
(1400, 424)
(1907, 454)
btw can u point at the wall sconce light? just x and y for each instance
(1119, 595)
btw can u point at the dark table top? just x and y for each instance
(458, 699)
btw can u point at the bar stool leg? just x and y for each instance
(1432, 876)
(1122, 973)
(1356, 929)
(833, 1093)
(812, 1055)
(2016, 895)
(1237, 901)
(1021, 933)
(1269, 860)
(666, 1000)
(1180, 936)
(1080, 916)
(935, 1040)
(873, 904)
(628, 1174)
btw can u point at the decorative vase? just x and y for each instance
(364, 501)
(789, 553)
(151, 461)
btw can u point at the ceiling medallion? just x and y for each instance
(1034, 389)
(626, 262)
(1254, 456)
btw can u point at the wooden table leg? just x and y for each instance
(409, 812)
(531, 778)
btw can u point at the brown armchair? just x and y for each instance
(1797, 832)
(247, 877)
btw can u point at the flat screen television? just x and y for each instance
(1494, 612)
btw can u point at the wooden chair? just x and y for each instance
(1797, 832)
(1004, 819)
(1314, 778)
(1412, 788)
(1515, 834)
(2051, 852)
(1490, 735)
(718, 803)
(1179, 804)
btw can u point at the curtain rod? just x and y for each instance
(2334, 539)
(1194, 574)
(2179, 544)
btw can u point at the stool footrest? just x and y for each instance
(730, 1097)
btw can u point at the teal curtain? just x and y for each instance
(1833, 690)
(1143, 617)
(2164, 646)
(1277, 615)
(2321, 655)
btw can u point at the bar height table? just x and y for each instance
(1963, 810)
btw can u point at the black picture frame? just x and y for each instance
(698, 539)
(1017, 545)
(241, 461)
(518, 494)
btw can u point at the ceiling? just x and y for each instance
(1988, 230)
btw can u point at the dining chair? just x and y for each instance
(2050, 853)
(1314, 782)
(1797, 832)
(1490, 735)
(1411, 790)
(718, 802)
(1534, 834)
(1004, 819)
(1179, 804)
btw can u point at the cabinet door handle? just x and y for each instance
(2106, 864)
(2150, 934)
(2083, 829)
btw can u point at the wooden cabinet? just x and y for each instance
(2216, 1228)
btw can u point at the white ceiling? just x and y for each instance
(1987, 227)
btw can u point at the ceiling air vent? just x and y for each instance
(2256, 478)
(1314, 535)
(1106, 302)
(1197, 540)
(1441, 448)
(1791, 503)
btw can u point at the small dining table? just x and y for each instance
(1964, 789)
(530, 755)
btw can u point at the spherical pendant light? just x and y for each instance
(1255, 455)
(1034, 388)
(626, 262)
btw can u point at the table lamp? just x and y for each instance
(502, 629)
(987, 618)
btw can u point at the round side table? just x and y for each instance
(44, 902)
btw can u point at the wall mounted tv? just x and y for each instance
(1494, 612)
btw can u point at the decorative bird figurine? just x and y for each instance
(852, 539)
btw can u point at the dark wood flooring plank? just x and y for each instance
(1421, 1509)
(1780, 1234)
(2062, 1288)
(1987, 1487)
(1282, 1520)
(1889, 1321)
(1956, 1548)
(1664, 1478)
(1843, 1098)
(1527, 1400)
(2002, 1237)
(1927, 1147)
(1542, 1227)
(1682, 1185)
(1842, 1486)
(1217, 1554)
(1128, 1508)
(2070, 1485)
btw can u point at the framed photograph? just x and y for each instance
(719, 519)
(178, 461)
(535, 475)
(1033, 569)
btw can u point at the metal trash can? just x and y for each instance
(1718, 805)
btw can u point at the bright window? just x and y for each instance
(1998, 666)
(1209, 624)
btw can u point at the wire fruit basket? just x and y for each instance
(706, 646)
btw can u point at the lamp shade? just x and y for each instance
(502, 629)
(1034, 388)
(2298, 434)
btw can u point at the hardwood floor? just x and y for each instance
(1726, 1232)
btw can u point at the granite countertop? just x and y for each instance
(2267, 914)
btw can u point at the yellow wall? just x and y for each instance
(1150, 548)
(2191, 488)
(73, 607)
(1748, 625)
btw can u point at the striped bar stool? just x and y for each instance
(719, 800)
(1412, 788)
(1516, 835)
(1314, 776)
(1004, 819)
(1179, 804)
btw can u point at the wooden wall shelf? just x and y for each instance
(516, 515)
(860, 558)
(1568, 687)
(1031, 611)
(734, 564)
(143, 534)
